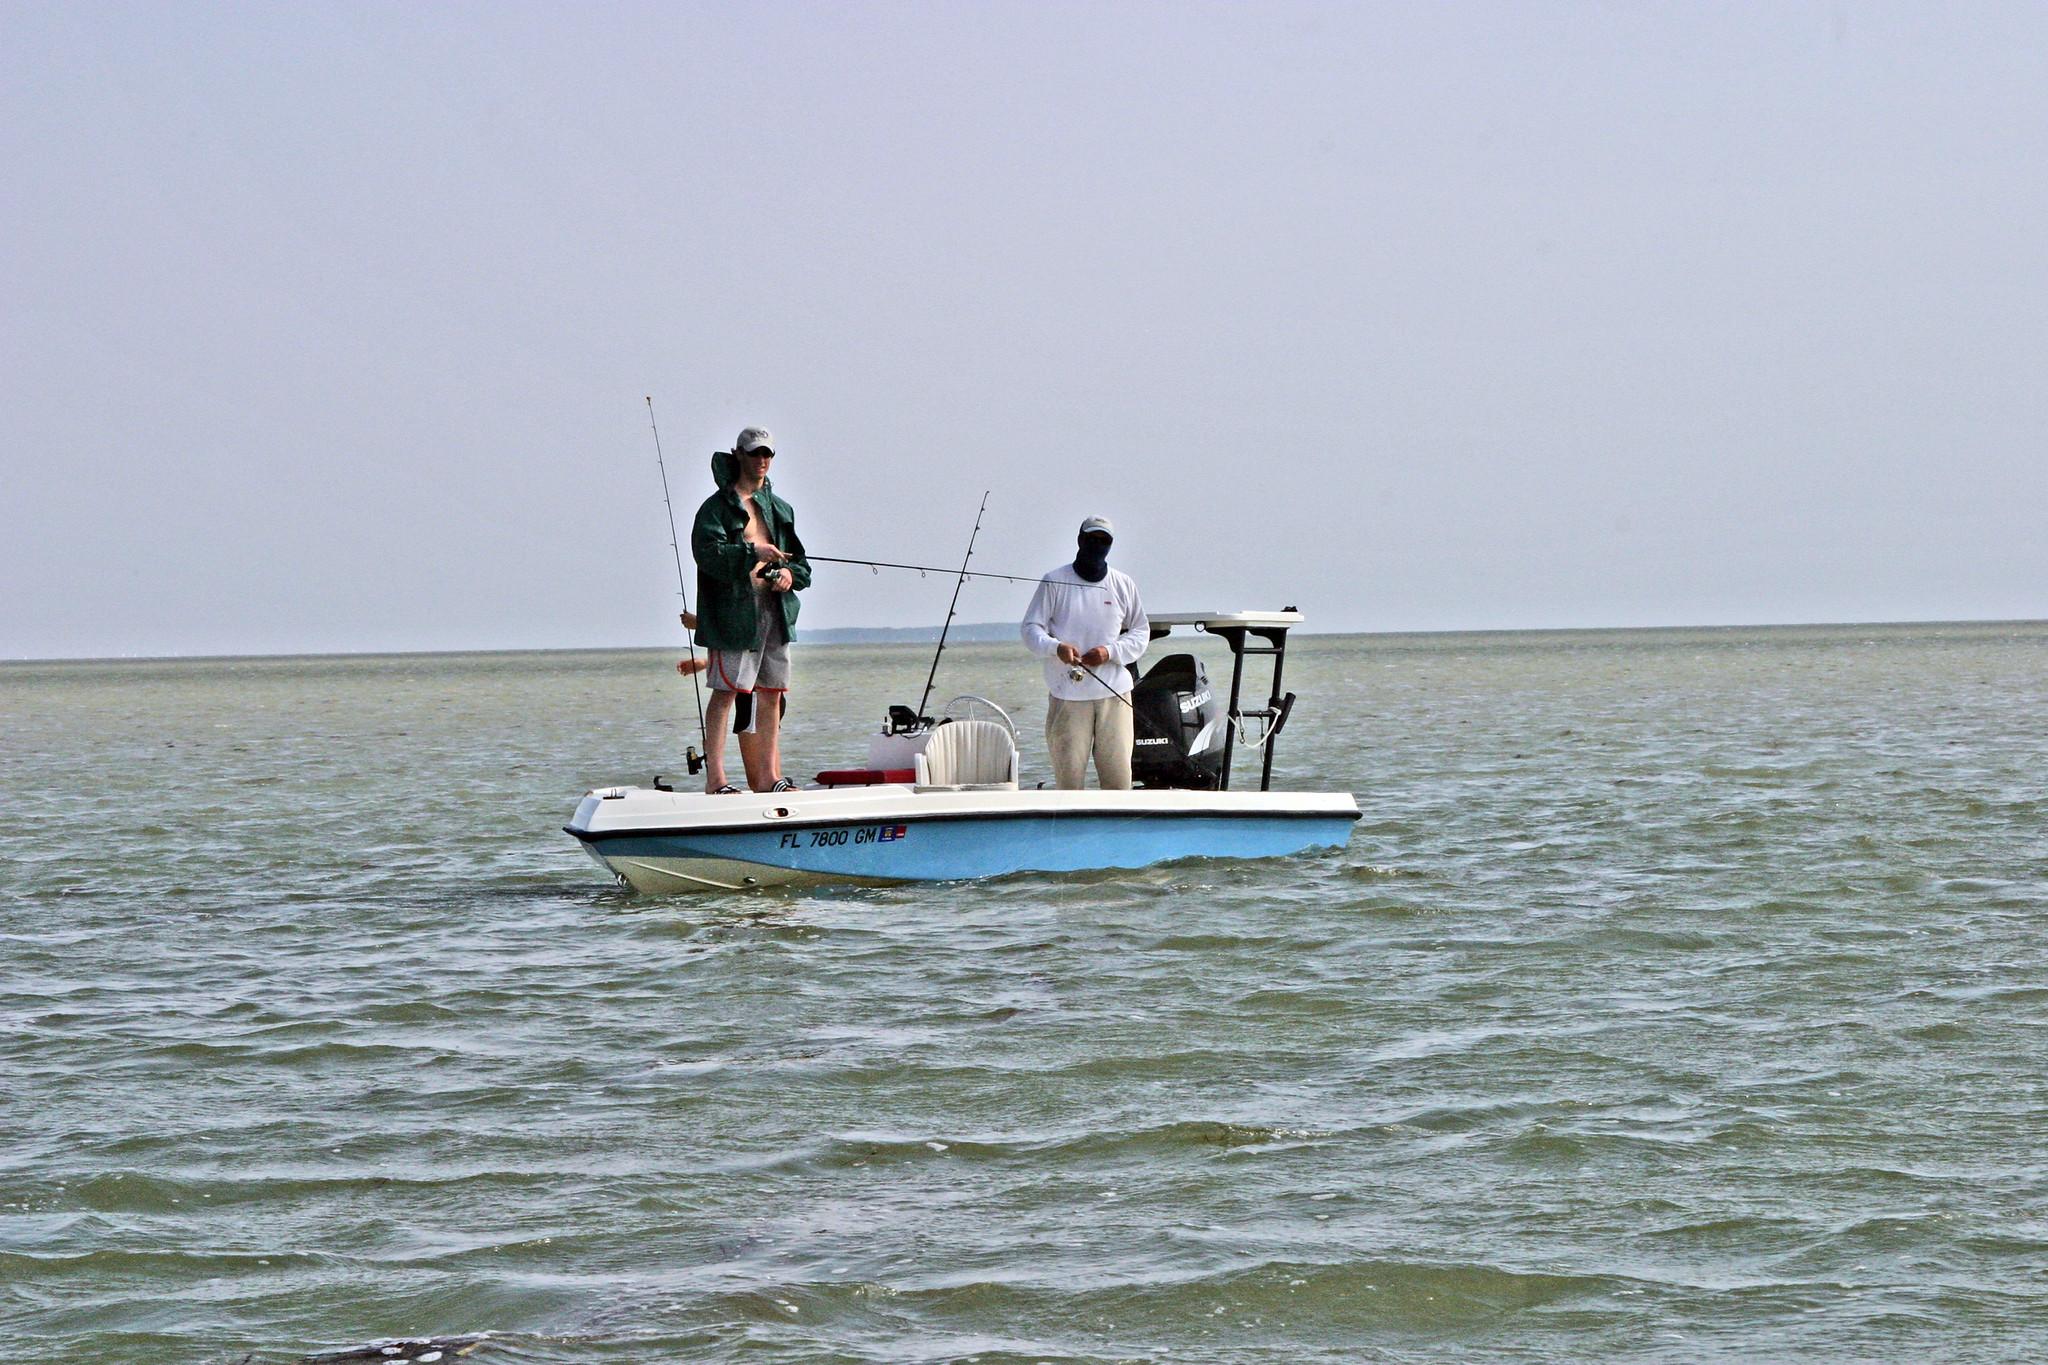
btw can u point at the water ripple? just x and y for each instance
(1677, 998)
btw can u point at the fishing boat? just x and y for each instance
(939, 798)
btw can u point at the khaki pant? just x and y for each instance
(1074, 728)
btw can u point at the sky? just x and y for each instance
(331, 327)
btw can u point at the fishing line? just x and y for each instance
(692, 757)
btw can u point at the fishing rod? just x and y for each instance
(933, 568)
(1078, 669)
(962, 576)
(692, 757)
(951, 606)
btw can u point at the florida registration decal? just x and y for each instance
(834, 838)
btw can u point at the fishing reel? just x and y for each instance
(904, 721)
(968, 706)
(695, 761)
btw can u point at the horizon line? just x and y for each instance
(969, 625)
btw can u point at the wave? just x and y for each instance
(1188, 1135)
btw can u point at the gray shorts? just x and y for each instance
(764, 668)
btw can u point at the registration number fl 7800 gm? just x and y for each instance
(833, 838)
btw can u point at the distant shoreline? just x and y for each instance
(982, 633)
(976, 633)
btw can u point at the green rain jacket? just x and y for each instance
(726, 618)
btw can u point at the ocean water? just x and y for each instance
(1682, 995)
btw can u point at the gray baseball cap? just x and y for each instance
(1098, 524)
(754, 438)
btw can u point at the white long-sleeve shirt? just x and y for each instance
(1067, 609)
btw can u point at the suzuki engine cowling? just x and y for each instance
(1180, 732)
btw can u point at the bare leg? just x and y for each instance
(717, 721)
(762, 750)
(696, 663)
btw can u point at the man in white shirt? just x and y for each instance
(1087, 623)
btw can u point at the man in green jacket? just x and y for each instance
(750, 567)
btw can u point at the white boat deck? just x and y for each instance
(622, 810)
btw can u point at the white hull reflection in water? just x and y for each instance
(1678, 997)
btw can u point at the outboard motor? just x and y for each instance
(1181, 735)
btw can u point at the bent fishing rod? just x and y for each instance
(962, 572)
(691, 756)
(961, 575)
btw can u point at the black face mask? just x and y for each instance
(1092, 563)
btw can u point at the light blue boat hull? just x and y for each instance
(961, 849)
(675, 841)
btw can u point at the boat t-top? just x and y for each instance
(939, 798)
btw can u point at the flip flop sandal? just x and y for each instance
(783, 784)
(727, 790)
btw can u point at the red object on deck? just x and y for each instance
(866, 777)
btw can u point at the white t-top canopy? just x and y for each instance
(1210, 620)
